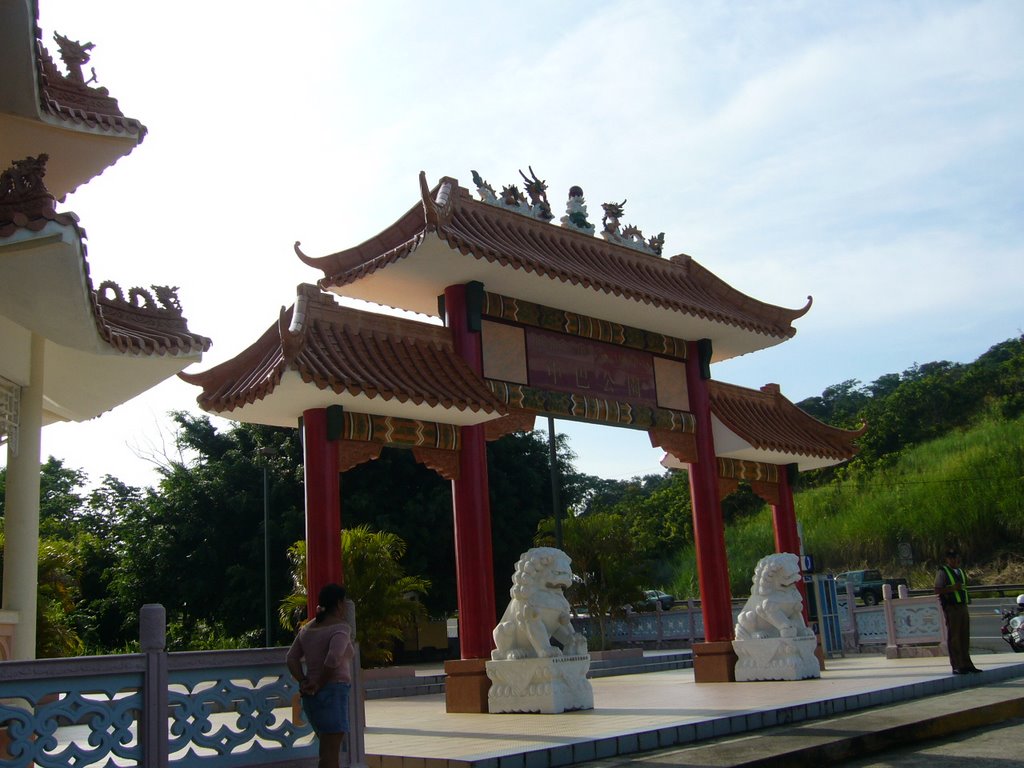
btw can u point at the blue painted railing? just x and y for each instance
(183, 710)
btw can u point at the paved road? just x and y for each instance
(996, 746)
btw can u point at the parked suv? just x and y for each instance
(867, 585)
(652, 597)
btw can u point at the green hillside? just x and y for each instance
(942, 463)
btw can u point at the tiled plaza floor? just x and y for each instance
(634, 713)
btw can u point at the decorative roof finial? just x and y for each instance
(537, 190)
(22, 189)
(485, 190)
(74, 55)
(576, 212)
(612, 213)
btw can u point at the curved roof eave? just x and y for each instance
(81, 127)
(319, 353)
(604, 279)
(767, 421)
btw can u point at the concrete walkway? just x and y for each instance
(668, 715)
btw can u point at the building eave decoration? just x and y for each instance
(769, 421)
(515, 236)
(71, 98)
(138, 325)
(350, 351)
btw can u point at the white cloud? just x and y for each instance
(867, 153)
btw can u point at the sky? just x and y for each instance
(868, 154)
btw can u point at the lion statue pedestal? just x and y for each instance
(772, 640)
(527, 672)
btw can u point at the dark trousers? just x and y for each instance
(958, 637)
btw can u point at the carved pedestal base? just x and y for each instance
(714, 662)
(548, 686)
(777, 658)
(466, 685)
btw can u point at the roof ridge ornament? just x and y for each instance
(631, 236)
(575, 211)
(438, 210)
(537, 207)
(140, 298)
(22, 189)
(75, 55)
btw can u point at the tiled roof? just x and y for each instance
(348, 351)
(70, 98)
(140, 324)
(25, 202)
(520, 242)
(768, 421)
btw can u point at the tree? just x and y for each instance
(195, 544)
(385, 597)
(606, 573)
(394, 493)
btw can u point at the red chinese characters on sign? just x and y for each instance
(591, 368)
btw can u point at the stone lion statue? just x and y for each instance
(538, 611)
(775, 607)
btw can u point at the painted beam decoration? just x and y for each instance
(762, 478)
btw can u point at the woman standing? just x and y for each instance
(325, 644)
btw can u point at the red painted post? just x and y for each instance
(474, 568)
(708, 528)
(323, 505)
(784, 517)
(787, 538)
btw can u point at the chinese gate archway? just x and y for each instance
(540, 319)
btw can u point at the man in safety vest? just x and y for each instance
(951, 587)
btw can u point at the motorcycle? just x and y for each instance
(1013, 630)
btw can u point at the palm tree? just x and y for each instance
(374, 580)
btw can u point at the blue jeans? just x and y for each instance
(327, 710)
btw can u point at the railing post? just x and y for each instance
(691, 609)
(356, 756)
(153, 719)
(892, 650)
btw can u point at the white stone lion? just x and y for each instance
(538, 611)
(775, 607)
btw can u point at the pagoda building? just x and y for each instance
(69, 350)
(568, 318)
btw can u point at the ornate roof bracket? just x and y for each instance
(445, 463)
(767, 492)
(682, 445)
(434, 445)
(762, 478)
(516, 421)
(352, 453)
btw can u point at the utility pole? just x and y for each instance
(556, 500)
(266, 453)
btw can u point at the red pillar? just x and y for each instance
(787, 539)
(784, 517)
(323, 505)
(708, 528)
(470, 495)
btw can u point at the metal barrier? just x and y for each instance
(159, 709)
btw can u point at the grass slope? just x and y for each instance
(965, 488)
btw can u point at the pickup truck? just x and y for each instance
(867, 585)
